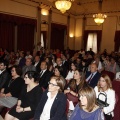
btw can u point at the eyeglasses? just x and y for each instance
(25, 77)
(49, 83)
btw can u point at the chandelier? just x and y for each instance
(99, 18)
(63, 5)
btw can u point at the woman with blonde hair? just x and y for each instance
(52, 105)
(104, 86)
(87, 109)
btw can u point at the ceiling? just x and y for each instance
(83, 7)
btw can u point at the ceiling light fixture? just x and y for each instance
(63, 5)
(99, 18)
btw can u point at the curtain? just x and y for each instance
(92, 42)
(7, 32)
(44, 33)
(117, 41)
(57, 36)
(99, 36)
(25, 37)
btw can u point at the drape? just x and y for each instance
(44, 37)
(99, 36)
(25, 37)
(7, 32)
(57, 36)
(117, 41)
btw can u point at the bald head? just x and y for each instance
(93, 67)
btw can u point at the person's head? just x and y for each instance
(28, 62)
(37, 58)
(43, 65)
(63, 56)
(31, 77)
(93, 67)
(112, 60)
(73, 66)
(3, 65)
(87, 97)
(78, 75)
(28, 53)
(104, 82)
(56, 84)
(22, 54)
(59, 61)
(58, 70)
(16, 70)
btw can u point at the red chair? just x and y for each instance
(110, 74)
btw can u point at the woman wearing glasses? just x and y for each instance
(87, 109)
(52, 105)
(28, 100)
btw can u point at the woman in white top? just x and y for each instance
(71, 72)
(104, 85)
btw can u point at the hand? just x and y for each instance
(66, 91)
(19, 109)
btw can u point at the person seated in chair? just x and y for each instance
(105, 86)
(28, 100)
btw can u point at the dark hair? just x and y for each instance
(4, 62)
(75, 64)
(33, 74)
(60, 69)
(17, 69)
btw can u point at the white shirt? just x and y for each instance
(36, 64)
(46, 110)
(110, 100)
(2, 71)
(70, 75)
(42, 72)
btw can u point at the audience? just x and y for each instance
(47, 62)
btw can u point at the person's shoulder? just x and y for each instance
(61, 96)
(96, 88)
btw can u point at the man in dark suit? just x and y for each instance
(59, 63)
(45, 75)
(37, 63)
(4, 74)
(93, 75)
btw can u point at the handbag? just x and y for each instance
(72, 98)
(101, 103)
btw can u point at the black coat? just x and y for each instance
(4, 79)
(94, 80)
(45, 78)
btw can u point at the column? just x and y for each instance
(38, 25)
(68, 30)
(49, 29)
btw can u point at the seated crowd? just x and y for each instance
(60, 85)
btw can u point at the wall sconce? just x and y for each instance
(44, 12)
(71, 35)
